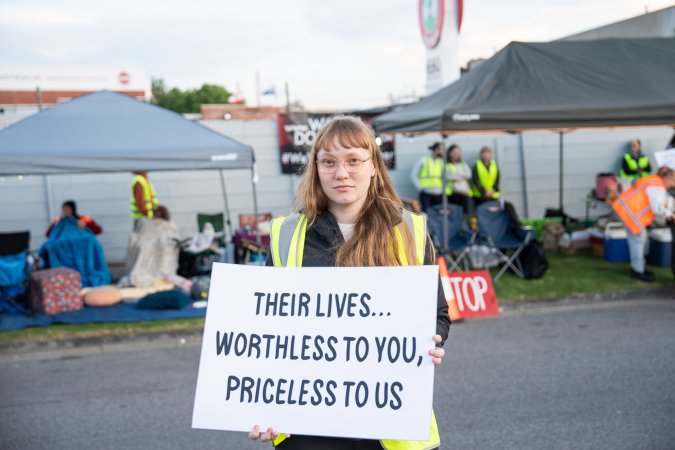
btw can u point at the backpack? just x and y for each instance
(533, 260)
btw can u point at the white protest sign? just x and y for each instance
(319, 351)
(665, 158)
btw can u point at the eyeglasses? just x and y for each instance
(351, 165)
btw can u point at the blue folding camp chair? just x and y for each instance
(500, 230)
(456, 247)
(14, 270)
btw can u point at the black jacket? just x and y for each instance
(321, 241)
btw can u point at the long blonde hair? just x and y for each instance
(374, 241)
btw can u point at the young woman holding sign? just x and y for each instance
(350, 215)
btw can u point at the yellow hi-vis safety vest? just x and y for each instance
(148, 197)
(287, 245)
(431, 173)
(641, 163)
(487, 177)
(452, 167)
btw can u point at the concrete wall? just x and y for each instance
(586, 153)
(24, 202)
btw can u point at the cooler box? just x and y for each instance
(54, 291)
(660, 247)
(615, 247)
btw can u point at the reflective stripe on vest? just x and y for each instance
(633, 207)
(448, 185)
(487, 177)
(431, 173)
(149, 197)
(641, 163)
(287, 240)
(287, 245)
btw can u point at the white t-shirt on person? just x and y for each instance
(347, 230)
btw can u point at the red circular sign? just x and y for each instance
(123, 78)
(431, 14)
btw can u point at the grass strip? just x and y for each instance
(61, 332)
(568, 275)
(582, 273)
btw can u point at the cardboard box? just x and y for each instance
(597, 246)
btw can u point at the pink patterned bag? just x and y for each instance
(54, 291)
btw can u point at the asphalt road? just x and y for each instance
(600, 377)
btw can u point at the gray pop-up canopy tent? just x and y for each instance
(110, 132)
(559, 86)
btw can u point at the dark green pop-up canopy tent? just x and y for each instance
(559, 86)
(110, 132)
(553, 85)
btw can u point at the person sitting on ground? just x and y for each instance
(69, 209)
(634, 163)
(71, 242)
(153, 250)
(485, 177)
(645, 201)
(458, 174)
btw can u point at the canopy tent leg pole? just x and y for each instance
(49, 198)
(228, 216)
(444, 198)
(523, 171)
(254, 182)
(560, 177)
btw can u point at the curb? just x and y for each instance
(141, 338)
(662, 293)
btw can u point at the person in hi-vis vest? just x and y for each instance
(634, 164)
(458, 175)
(143, 197)
(485, 178)
(427, 176)
(348, 214)
(637, 207)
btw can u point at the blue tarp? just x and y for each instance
(71, 246)
(121, 312)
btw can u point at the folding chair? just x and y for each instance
(198, 261)
(246, 249)
(247, 222)
(460, 237)
(13, 243)
(501, 230)
(218, 222)
(14, 270)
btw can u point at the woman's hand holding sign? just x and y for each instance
(437, 353)
(266, 436)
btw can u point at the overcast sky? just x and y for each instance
(333, 54)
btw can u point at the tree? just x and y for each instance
(187, 101)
